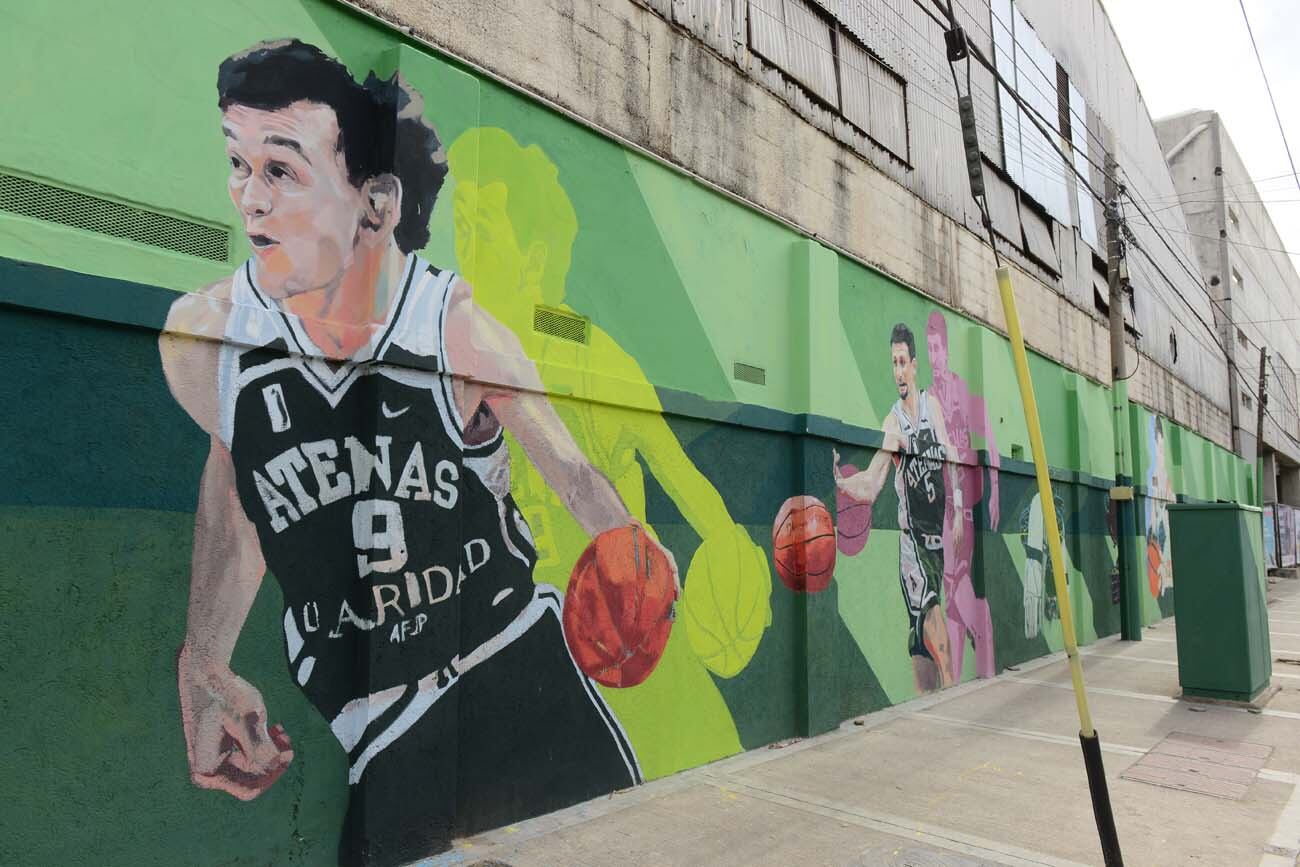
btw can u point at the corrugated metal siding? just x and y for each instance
(1082, 151)
(855, 83)
(714, 21)
(811, 52)
(888, 109)
(878, 24)
(1038, 236)
(1003, 208)
(873, 97)
(767, 32)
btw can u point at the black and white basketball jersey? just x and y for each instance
(918, 478)
(395, 540)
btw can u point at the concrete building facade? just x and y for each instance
(689, 82)
(1253, 284)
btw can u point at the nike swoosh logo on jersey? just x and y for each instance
(388, 413)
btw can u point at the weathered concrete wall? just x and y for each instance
(631, 72)
(1233, 236)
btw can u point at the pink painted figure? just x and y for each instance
(966, 414)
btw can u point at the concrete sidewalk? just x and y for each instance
(986, 773)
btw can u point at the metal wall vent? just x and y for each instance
(749, 373)
(66, 207)
(559, 323)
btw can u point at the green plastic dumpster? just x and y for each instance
(1222, 615)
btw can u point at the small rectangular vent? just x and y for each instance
(52, 204)
(749, 373)
(559, 323)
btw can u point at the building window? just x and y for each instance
(875, 99)
(1237, 282)
(1079, 142)
(1232, 219)
(1241, 338)
(1027, 65)
(795, 38)
(827, 56)
(1246, 402)
(1173, 347)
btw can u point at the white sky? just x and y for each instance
(1188, 54)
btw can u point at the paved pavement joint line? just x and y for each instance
(1127, 658)
(945, 838)
(1164, 699)
(1274, 649)
(1101, 690)
(1028, 734)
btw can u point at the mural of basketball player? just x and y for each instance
(355, 400)
(515, 229)
(917, 446)
(965, 414)
(1160, 492)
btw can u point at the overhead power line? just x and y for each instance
(1214, 238)
(1285, 176)
(1256, 182)
(1044, 128)
(1269, 88)
(1144, 208)
(1235, 201)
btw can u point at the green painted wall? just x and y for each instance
(678, 285)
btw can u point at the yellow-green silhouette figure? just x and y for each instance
(514, 229)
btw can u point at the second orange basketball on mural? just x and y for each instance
(803, 544)
(618, 609)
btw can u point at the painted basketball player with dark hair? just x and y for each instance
(356, 399)
(916, 445)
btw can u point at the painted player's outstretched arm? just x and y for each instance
(952, 455)
(507, 381)
(224, 718)
(865, 485)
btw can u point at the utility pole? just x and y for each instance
(1113, 272)
(1122, 493)
(1263, 405)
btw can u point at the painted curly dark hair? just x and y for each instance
(382, 129)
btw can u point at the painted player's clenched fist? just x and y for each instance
(229, 746)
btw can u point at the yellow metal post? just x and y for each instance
(1050, 524)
